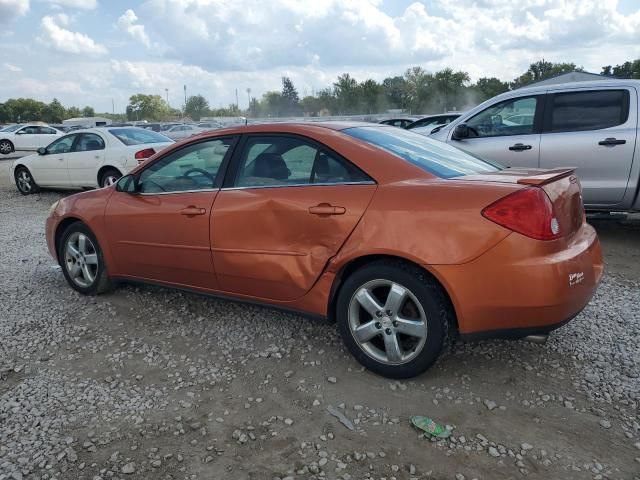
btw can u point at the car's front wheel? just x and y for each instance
(82, 261)
(24, 181)
(6, 147)
(393, 318)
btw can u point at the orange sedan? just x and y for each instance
(397, 237)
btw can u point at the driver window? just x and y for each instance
(62, 145)
(511, 117)
(194, 167)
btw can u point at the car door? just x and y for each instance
(85, 159)
(50, 169)
(595, 131)
(492, 136)
(160, 232)
(287, 207)
(46, 135)
(27, 138)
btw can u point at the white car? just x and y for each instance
(26, 137)
(91, 158)
(182, 131)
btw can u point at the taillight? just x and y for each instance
(142, 155)
(528, 211)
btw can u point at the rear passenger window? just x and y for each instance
(283, 160)
(591, 110)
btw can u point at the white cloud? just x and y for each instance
(12, 9)
(215, 46)
(240, 35)
(79, 4)
(63, 40)
(11, 67)
(127, 22)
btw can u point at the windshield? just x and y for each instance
(433, 156)
(137, 136)
(11, 128)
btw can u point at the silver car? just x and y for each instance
(178, 132)
(589, 125)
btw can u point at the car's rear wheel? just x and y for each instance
(393, 318)
(109, 177)
(82, 261)
(6, 147)
(24, 181)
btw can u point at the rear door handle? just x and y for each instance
(192, 211)
(327, 209)
(612, 141)
(519, 147)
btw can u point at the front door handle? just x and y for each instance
(327, 209)
(519, 147)
(192, 211)
(612, 141)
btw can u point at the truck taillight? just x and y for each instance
(142, 155)
(528, 211)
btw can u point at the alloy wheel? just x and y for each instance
(5, 147)
(24, 181)
(387, 322)
(81, 259)
(109, 180)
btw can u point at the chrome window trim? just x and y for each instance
(179, 191)
(327, 184)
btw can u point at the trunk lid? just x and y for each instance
(561, 186)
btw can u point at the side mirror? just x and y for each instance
(460, 131)
(42, 151)
(127, 184)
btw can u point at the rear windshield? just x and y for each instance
(437, 158)
(138, 136)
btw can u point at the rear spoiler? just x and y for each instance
(548, 176)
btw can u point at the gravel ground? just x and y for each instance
(150, 383)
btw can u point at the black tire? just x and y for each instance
(109, 177)
(24, 181)
(6, 147)
(437, 314)
(101, 282)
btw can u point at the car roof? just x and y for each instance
(591, 84)
(290, 127)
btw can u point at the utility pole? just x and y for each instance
(237, 104)
(166, 90)
(113, 107)
(248, 99)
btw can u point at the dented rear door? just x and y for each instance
(274, 243)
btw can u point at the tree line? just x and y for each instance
(416, 91)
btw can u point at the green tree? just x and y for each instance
(146, 107)
(88, 112)
(418, 82)
(541, 70)
(290, 99)
(396, 92)
(371, 96)
(626, 70)
(25, 109)
(54, 112)
(489, 87)
(196, 107)
(73, 112)
(347, 92)
(449, 85)
(6, 114)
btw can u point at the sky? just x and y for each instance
(100, 52)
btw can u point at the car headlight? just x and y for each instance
(53, 207)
